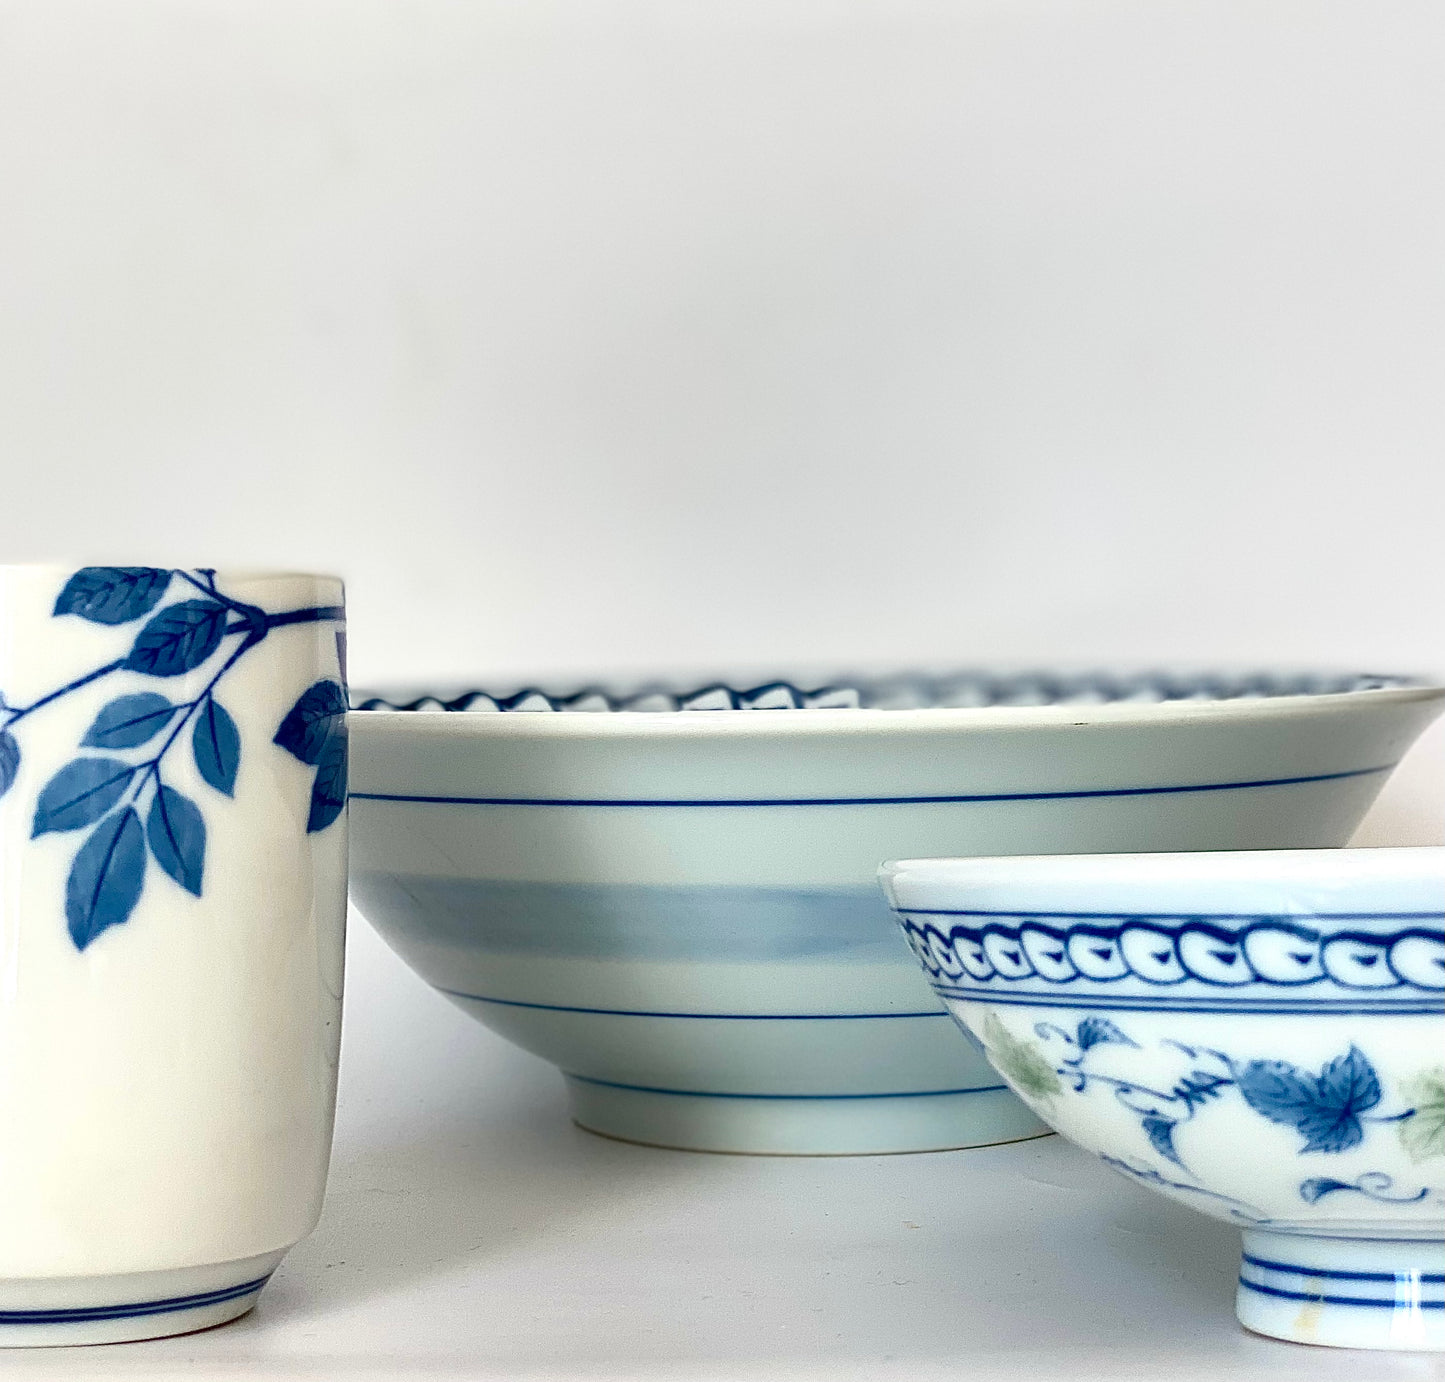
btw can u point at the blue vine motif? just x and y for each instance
(1238, 1209)
(109, 794)
(1329, 1110)
(1374, 1185)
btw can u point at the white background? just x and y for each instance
(770, 333)
(585, 335)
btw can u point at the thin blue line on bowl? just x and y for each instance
(718, 1017)
(715, 1094)
(980, 797)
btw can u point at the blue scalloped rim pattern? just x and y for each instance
(960, 690)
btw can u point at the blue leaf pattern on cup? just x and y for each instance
(179, 639)
(129, 721)
(216, 746)
(81, 793)
(312, 721)
(107, 875)
(106, 878)
(176, 833)
(328, 793)
(112, 594)
(9, 760)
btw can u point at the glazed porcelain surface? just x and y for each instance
(173, 851)
(1260, 1036)
(677, 905)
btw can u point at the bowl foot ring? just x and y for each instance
(1344, 1292)
(772, 1125)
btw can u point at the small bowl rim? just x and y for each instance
(1321, 864)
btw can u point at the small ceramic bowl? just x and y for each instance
(675, 903)
(1260, 1036)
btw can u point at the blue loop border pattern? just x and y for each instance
(1162, 952)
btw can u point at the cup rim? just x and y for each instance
(248, 573)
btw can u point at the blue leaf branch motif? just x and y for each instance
(216, 746)
(179, 639)
(81, 793)
(113, 594)
(110, 794)
(107, 877)
(176, 832)
(129, 721)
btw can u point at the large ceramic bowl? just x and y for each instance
(677, 906)
(1260, 1036)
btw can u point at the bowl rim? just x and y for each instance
(811, 721)
(1324, 864)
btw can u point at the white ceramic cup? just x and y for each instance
(172, 912)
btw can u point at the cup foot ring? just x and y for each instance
(51, 1311)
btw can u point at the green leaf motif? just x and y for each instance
(1021, 1063)
(1423, 1136)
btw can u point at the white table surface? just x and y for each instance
(471, 1231)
